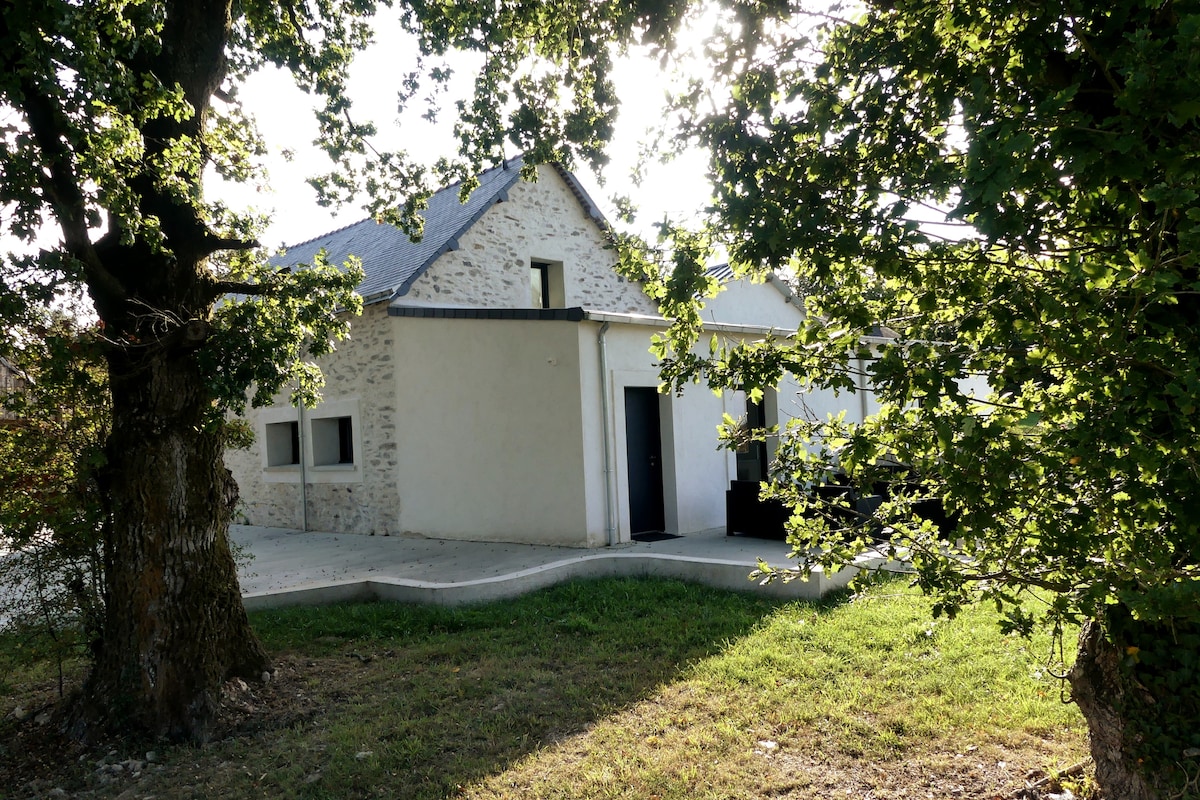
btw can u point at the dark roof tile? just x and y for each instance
(391, 260)
(722, 272)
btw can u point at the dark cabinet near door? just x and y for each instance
(748, 515)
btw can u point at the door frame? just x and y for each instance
(635, 379)
(645, 440)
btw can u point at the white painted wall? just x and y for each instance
(767, 305)
(490, 432)
(629, 365)
(703, 470)
(747, 303)
(695, 473)
(596, 480)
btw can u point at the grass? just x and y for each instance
(631, 689)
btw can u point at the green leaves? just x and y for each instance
(1012, 193)
(53, 421)
(266, 340)
(119, 110)
(116, 112)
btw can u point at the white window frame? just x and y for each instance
(325, 413)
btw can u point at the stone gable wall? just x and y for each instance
(540, 221)
(11, 382)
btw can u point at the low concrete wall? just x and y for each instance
(720, 574)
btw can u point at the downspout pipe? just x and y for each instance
(862, 392)
(610, 515)
(303, 471)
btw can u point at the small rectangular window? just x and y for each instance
(546, 284)
(283, 444)
(539, 282)
(332, 441)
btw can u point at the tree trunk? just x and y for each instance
(175, 628)
(1109, 696)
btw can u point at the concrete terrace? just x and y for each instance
(292, 567)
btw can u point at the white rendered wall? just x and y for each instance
(592, 428)
(703, 470)
(695, 473)
(491, 443)
(764, 304)
(747, 303)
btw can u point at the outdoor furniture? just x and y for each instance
(748, 515)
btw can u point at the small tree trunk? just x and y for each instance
(1107, 694)
(175, 628)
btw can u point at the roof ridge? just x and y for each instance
(345, 227)
(590, 208)
(505, 164)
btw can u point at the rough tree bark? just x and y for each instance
(1107, 695)
(175, 628)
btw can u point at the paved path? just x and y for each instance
(293, 567)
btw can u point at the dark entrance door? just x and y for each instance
(643, 446)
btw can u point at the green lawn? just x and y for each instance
(626, 688)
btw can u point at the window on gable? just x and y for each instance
(539, 283)
(333, 441)
(283, 444)
(546, 285)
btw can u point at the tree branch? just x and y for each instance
(213, 243)
(291, 14)
(61, 188)
(1086, 44)
(218, 288)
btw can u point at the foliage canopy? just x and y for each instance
(1055, 154)
(116, 113)
(53, 421)
(1056, 145)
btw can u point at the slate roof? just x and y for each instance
(722, 272)
(393, 262)
(8, 366)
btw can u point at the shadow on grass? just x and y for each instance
(383, 699)
(613, 688)
(439, 698)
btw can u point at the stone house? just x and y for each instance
(12, 381)
(498, 386)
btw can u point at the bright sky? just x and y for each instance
(285, 119)
(286, 122)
